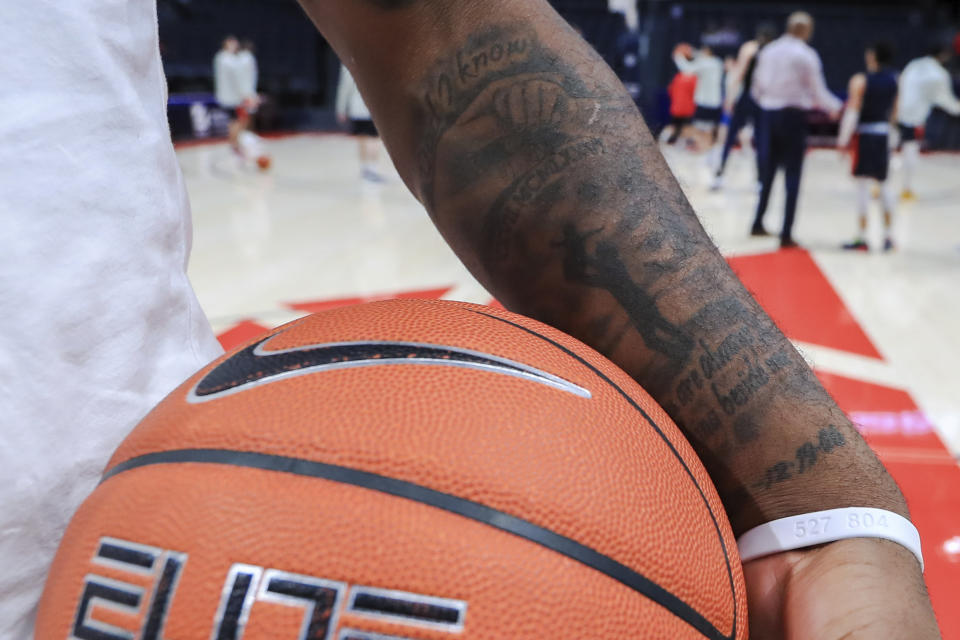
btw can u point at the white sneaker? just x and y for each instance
(717, 183)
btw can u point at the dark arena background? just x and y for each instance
(298, 69)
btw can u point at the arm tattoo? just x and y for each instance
(806, 457)
(543, 178)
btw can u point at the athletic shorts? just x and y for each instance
(363, 128)
(907, 134)
(713, 115)
(871, 157)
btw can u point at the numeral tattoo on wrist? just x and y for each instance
(807, 456)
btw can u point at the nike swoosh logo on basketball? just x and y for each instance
(255, 366)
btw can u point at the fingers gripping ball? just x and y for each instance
(401, 470)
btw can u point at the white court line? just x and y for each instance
(849, 365)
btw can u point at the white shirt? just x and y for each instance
(349, 101)
(229, 83)
(97, 318)
(789, 74)
(709, 72)
(925, 84)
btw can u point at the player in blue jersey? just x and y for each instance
(866, 127)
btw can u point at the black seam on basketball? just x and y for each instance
(431, 497)
(636, 405)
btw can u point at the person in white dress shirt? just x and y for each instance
(924, 84)
(788, 83)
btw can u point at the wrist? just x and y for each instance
(823, 527)
(849, 476)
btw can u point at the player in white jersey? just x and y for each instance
(99, 321)
(231, 82)
(252, 147)
(709, 93)
(924, 84)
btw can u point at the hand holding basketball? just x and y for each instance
(853, 589)
(402, 470)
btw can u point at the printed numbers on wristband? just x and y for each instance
(809, 529)
(811, 526)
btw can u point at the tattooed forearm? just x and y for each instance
(538, 170)
(587, 229)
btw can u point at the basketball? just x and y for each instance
(684, 50)
(263, 162)
(401, 470)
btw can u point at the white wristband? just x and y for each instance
(809, 529)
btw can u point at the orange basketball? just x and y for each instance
(401, 470)
(263, 162)
(685, 50)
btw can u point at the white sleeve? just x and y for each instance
(96, 308)
(942, 95)
(219, 77)
(686, 66)
(759, 85)
(822, 96)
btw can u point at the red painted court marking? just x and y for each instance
(887, 417)
(241, 332)
(313, 306)
(797, 295)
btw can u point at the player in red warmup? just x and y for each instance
(682, 106)
(471, 105)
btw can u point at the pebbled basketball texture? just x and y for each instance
(401, 470)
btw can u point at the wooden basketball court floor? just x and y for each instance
(881, 330)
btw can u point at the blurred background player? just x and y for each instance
(251, 145)
(739, 100)
(924, 84)
(869, 113)
(353, 111)
(682, 107)
(231, 87)
(787, 83)
(708, 95)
